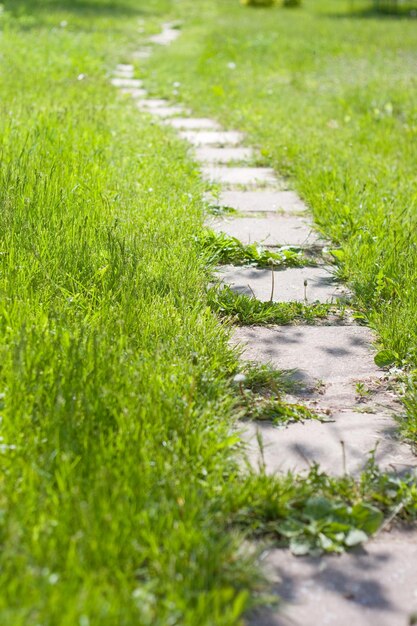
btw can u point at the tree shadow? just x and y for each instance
(81, 8)
(383, 13)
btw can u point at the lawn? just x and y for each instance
(123, 498)
(329, 97)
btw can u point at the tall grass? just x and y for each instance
(115, 441)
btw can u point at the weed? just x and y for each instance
(245, 310)
(319, 513)
(222, 249)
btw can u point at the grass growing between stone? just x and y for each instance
(222, 249)
(122, 500)
(335, 111)
(248, 311)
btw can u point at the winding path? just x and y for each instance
(376, 584)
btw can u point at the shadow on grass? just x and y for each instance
(386, 13)
(86, 8)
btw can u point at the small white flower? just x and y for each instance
(176, 84)
(80, 76)
(63, 24)
(231, 65)
(239, 378)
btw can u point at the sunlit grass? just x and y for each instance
(333, 109)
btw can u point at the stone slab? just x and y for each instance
(274, 230)
(262, 200)
(124, 67)
(142, 54)
(167, 36)
(327, 360)
(133, 83)
(223, 155)
(212, 137)
(239, 175)
(286, 285)
(299, 445)
(118, 74)
(373, 585)
(194, 123)
(152, 103)
(135, 93)
(160, 111)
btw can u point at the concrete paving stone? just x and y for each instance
(123, 75)
(239, 175)
(170, 111)
(212, 137)
(271, 231)
(288, 285)
(142, 54)
(134, 83)
(135, 93)
(298, 446)
(373, 585)
(124, 67)
(327, 360)
(194, 123)
(262, 200)
(223, 155)
(166, 37)
(151, 103)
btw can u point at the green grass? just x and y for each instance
(248, 311)
(222, 249)
(116, 444)
(259, 392)
(332, 109)
(122, 494)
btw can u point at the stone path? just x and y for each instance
(332, 364)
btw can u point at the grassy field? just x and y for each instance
(122, 496)
(329, 97)
(115, 431)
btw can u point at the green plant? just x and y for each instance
(258, 3)
(222, 248)
(246, 310)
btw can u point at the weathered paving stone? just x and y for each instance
(166, 37)
(212, 137)
(171, 111)
(327, 362)
(124, 71)
(124, 67)
(274, 230)
(196, 123)
(262, 200)
(337, 357)
(298, 446)
(223, 155)
(374, 585)
(142, 54)
(285, 285)
(135, 93)
(151, 103)
(134, 83)
(239, 175)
